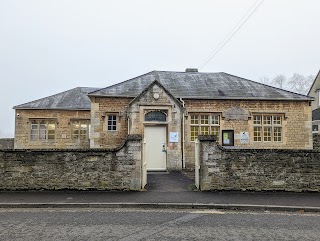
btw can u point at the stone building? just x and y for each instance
(315, 92)
(58, 121)
(170, 109)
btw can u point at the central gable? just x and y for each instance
(155, 94)
(155, 98)
(155, 109)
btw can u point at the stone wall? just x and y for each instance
(6, 143)
(82, 169)
(258, 169)
(316, 142)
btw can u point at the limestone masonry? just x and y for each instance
(81, 169)
(258, 169)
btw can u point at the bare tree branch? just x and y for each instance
(265, 80)
(296, 83)
(300, 84)
(279, 81)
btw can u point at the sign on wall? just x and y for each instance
(173, 137)
(244, 137)
(228, 137)
(236, 113)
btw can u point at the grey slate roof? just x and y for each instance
(316, 114)
(74, 99)
(197, 85)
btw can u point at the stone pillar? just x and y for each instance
(316, 142)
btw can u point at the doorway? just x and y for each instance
(155, 144)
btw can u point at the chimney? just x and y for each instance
(191, 70)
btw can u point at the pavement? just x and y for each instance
(164, 190)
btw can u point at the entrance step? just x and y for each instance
(157, 172)
(169, 182)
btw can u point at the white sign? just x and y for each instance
(244, 137)
(173, 137)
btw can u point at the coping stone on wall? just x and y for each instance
(135, 137)
(207, 138)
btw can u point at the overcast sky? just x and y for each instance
(47, 47)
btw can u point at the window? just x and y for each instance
(205, 124)
(267, 128)
(112, 122)
(42, 129)
(80, 130)
(155, 116)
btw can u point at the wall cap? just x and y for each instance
(134, 137)
(212, 138)
(128, 138)
(207, 138)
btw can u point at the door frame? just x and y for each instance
(143, 109)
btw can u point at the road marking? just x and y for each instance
(208, 212)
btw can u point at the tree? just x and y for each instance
(279, 81)
(265, 80)
(297, 83)
(300, 84)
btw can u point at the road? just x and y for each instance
(131, 224)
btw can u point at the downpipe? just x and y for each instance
(183, 136)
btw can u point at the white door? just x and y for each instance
(156, 156)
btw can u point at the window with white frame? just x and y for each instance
(204, 124)
(42, 129)
(80, 130)
(267, 128)
(112, 122)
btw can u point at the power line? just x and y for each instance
(225, 38)
(232, 33)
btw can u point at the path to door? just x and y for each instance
(169, 182)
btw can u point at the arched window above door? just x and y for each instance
(155, 116)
